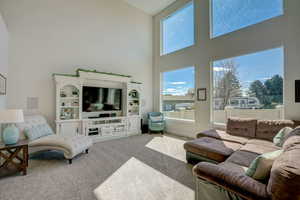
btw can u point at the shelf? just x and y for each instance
(69, 98)
(134, 99)
(67, 120)
(69, 106)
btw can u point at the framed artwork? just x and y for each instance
(297, 91)
(2, 85)
(201, 94)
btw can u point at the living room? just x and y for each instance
(88, 86)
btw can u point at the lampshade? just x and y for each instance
(11, 116)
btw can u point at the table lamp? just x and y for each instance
(11, 133)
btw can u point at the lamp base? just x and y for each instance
(10, 135)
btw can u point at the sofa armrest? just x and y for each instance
(232, 181)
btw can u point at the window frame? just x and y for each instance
(211, 21)
(212, 85)
(161, 35)
(161, 94)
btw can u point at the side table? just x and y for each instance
(14, 156)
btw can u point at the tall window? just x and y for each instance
(249, 86)
(231, 15)
(178, 93)
(178, 30)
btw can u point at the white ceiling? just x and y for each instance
(151, 7)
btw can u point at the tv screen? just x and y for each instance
(97, 99)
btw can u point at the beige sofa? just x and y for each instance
(228, 154)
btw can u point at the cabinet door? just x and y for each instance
(134, 125)
(69, 129)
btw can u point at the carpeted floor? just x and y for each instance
(146, 167)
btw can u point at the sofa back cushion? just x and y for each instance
(241, 127)
(284, 182)
(268, 129)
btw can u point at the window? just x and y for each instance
(178, 30)
(232, 15)
(249, 86)
(178, 93)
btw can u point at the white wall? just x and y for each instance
(59, 36)
(279, 31)
(3, 56)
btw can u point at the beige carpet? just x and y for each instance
(146, 167)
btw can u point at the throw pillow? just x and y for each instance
(261, 166)
(281, 135)
(38, 131)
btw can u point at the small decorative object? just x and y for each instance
(11, 134)
(201, 94)
(75, 93)
(63, 94)
(63, 104)
(2, 85)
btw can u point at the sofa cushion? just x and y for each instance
(267, 129)
(243, 158)
(278, 140)
(211, 148)
(241, 127)
(260, 167)
(284, 182)
(292, 142)
(295, 132)
(222, 135)
(234, 167)
(259, 146)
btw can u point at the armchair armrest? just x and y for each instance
(232, 181)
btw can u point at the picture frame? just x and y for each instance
(2, 85)
(201, 94)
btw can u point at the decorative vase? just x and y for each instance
(10, 135)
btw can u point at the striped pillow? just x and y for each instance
(38, 131)
(260, 167)
(279, 139)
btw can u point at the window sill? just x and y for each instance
(180, 120)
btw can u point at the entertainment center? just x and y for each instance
(101, 105)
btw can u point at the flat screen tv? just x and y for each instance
(96, 99)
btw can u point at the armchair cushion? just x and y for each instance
(155, 119)
(231, 180)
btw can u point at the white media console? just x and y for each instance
(102, 125)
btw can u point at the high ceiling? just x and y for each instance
(150, 6)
